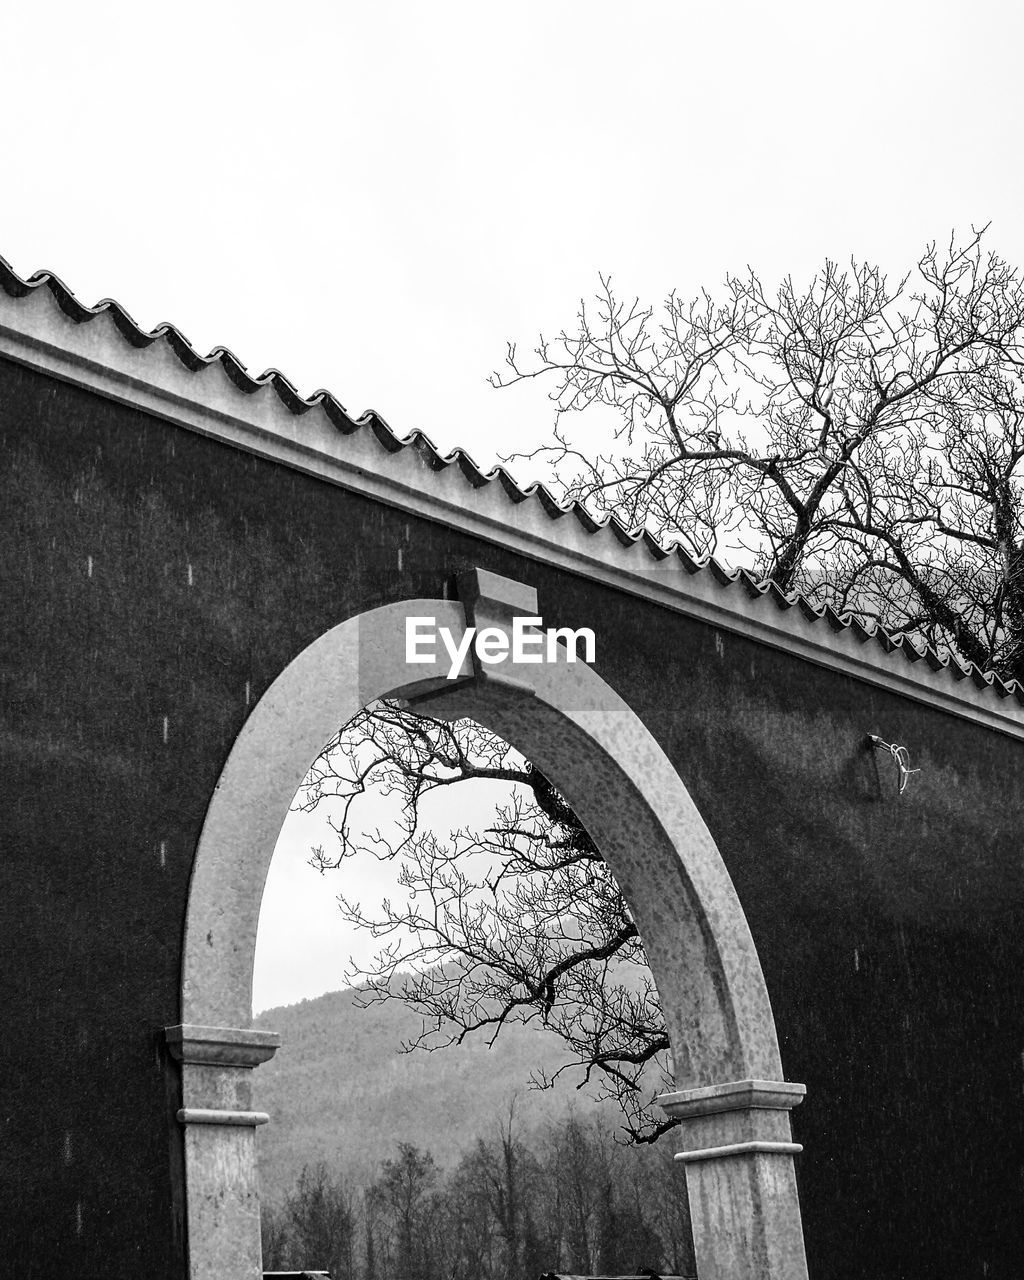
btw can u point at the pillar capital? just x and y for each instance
(737, 1095)
(735, 1118)
(221, 1046)
(738, 1156)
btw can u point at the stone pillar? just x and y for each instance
(738, 1155)
(220, 1147)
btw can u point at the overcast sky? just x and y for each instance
(374, 198)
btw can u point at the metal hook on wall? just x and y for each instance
(900, 755)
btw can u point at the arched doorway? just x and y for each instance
(563, 716)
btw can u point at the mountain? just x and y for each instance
(340, 1090)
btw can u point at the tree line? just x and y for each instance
(567, 1197)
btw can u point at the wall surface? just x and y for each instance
(155, 582)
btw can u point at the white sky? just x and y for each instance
(374, 197)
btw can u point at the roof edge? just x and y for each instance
(101, 348)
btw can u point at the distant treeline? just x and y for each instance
(566, 1197)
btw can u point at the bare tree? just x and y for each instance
(505, 1174)
(315, 1228)
(856, 440)
(519, 922)
(405, 1196)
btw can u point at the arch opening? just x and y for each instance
(472, 900)
(730, 1093)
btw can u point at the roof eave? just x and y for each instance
(101, 349)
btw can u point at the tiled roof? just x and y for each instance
(728, 580)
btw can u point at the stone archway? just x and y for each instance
(733, 1102)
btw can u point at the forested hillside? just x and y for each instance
(339, 1089)
(381, 1165)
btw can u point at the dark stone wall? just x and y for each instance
(155, 582)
